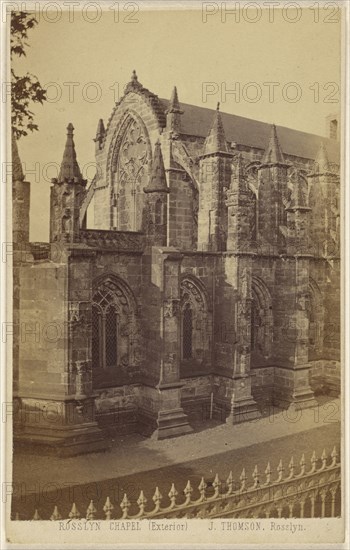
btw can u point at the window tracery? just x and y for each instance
(113, 326)
(195, 341)
(130, 176)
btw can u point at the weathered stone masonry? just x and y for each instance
(208, 285)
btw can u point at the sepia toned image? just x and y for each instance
(174, 264)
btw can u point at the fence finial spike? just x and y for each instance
(202, 484)
(202, 487)
(108, 508)
(324, 459)
(74, 513)
(125, 505)
(142, 501)
(91, 511)
(291, 467)
(334, 456)
(172, 495)
(255, 476)
(243, 479)
(313, 461)
(36, 516)
(216, 484)
(157, 497)
(229, 483)
(55, 516)
(280, 470)
(188, 491)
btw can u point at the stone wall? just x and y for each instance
(43, 353)
(195, 397)
(117, 409)
(324, 378)
(183, 205)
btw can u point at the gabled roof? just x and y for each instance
(197, 121)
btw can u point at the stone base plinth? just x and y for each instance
(63, 442)
(171, 423)
(63, 428)
(243, 411)
(292, 389)
(238, 400)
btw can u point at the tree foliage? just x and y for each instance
(25, 89)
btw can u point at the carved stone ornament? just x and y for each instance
(75, 317)
(170, 361)
(171, 308)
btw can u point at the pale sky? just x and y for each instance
(167, 49)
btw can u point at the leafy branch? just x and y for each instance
(25, 89)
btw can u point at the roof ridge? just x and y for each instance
(268, 124)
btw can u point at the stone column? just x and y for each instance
(292, 378)
(239, 274)
(171, 419)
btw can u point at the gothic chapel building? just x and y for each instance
(209, 286)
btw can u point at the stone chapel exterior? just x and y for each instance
(210, 284)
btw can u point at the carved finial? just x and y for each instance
(133, 84)
(216, 140)
(174, 104)
(321, 165)
(157, 182)
(100, 132)
(69, 167)
(273, 153)
(174, 113)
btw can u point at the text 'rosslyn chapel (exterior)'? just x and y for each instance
(208, 286)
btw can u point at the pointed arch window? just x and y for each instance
(114, 333)
(104, 336)
(195, 324)
(187, 326)
(261, 319)
(130, 168)
(255, 328)
(111, 337)
(96, 334)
